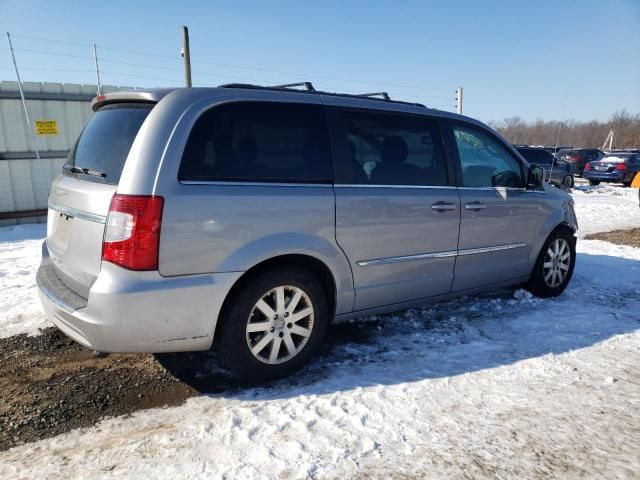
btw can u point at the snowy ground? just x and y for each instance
(604, 208)
(494, 387)
(20, 252)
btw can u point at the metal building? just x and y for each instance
(58, 112)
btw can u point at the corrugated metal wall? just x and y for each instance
(24, 180)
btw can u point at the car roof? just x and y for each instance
(236, 91)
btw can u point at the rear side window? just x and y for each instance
(484, 161)
(102, 148)
(259, 141)
(391, 149)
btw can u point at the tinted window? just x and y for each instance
(536, 155)
(588, 154)
(544, 158)
(389, 149)
(255, 141)
(529, 155)
(105, 142)
(484, 161)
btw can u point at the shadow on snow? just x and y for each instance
(450, 338)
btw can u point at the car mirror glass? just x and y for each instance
(535, 176)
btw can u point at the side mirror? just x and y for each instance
(535, 176)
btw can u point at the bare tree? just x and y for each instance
(572, 133)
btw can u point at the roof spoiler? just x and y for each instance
(132, 96)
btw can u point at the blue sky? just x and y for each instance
(535, 59)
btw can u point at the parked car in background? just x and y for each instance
(618, 167)
(248, 218)
(555, 149)
(580, 157)
(555, 170)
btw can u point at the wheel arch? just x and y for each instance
(307, 262)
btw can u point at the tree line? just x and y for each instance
(572, 133)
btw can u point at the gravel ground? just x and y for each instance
(620, 237)
(51, 385)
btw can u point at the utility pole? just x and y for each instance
(24, 103)
(95, 59)
(459, 100)
(609, 139)
(186, 56)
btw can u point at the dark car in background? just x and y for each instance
(555, 170)
(619, 167)
(580, 156)
(555, 149)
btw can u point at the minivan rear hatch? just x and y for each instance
(80, 197)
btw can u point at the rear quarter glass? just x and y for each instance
(104, 144)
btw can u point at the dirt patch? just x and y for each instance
(620, 237)
(49, 384)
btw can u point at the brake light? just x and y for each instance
(587, 167)
(621, 166)
(132, 233)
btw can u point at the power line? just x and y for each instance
(50, 40)
(228, 65)
(282, 72)
(428, 97)
(137, 52)
(42, 52)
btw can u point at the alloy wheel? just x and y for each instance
(280, 324)
(556, 262)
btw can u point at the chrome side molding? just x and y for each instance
(407, 258)
(450, 253)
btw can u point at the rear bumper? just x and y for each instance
(605, 177)
(131, 311)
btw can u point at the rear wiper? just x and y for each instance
(86, 171)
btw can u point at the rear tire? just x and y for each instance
(264, 335)
(554, 267)
(594, 183)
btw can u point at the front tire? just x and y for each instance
(568, 181)
(594, 183)
(554, 267)
(274, 325)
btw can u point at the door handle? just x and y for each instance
(475, 206)
(443, 206)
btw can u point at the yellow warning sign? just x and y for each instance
(46, 127)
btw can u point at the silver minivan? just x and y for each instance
(247, 218)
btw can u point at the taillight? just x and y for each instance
(587, 167)
(132, 234)
(621, 166)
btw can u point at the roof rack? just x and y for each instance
(310, 89)
(307, 85)
(384, 95)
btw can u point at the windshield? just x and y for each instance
(103, 146)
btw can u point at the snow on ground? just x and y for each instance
(605, 208)
(20, 252)
(500, 386)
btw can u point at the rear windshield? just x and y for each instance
(617, 158)
(103, 146)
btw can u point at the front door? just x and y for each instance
(397, 211)
(499, 216)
